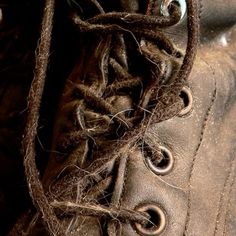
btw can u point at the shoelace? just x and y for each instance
(108, 23)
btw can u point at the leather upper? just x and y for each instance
(203, 146)
(197, 197)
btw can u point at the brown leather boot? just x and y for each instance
(140, 147)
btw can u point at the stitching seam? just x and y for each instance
(204, 125)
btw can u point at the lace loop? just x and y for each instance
(135, 19)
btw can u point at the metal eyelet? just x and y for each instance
(157, 220)
(166, 3)
(163, 166)
(187, 98)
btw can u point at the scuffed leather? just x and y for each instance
(207, 136)
(203, 146)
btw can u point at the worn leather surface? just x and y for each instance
(199, 195)
(203, 145)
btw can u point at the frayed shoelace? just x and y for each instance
(155, 101)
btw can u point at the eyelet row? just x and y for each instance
(161, 166)
(157, 215)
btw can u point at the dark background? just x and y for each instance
(19, 35)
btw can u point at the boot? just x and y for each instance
(143, 139)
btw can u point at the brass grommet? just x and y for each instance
(187, 97)
(166, 3)
(165, 165)
(157, 222)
